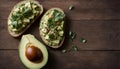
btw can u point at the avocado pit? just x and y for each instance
(34, 54)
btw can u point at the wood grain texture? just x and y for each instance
(84, 9)
(81, 59)
(98, 21)
(100, 34)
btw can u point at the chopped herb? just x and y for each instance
(22, 5)
(72, 35)
(51, 23)
(37, 8)
(64, 51)
(14, 18)
(14, 24)
(56, 12)
(27, 13)
(57, 17)
(82, 40)
(75, 48)
(51, 36)
(71, 7)
(23, 9)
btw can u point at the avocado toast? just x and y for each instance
(52, 27)
(22, 16)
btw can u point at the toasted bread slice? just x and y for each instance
(40, 29)
(14, 34)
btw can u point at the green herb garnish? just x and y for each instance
(64, 51)
(27, 13)
(71, 7)
(51, 23)
(72, 35)
(51, 36)
(14, 18)
(19, 15)
(14, 24)
(37, 8)
(74, 48)
(82, 40)
(57, 17)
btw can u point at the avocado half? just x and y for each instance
(31, 50)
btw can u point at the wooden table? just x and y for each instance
(98, 21)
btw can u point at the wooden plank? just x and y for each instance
(84, 9)
(10, 59)
(98, 21)
(58, 60)
(100, 34)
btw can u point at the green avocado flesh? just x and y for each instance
(32, 53)
(22, 15)
(52, 27)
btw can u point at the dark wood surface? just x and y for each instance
(98, 21)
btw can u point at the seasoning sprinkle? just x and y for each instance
(64, 51)
(82, 40)
(72, 35)
(75, 48)
(71, 7)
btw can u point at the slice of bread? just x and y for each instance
(42, 37)
(18, 4)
